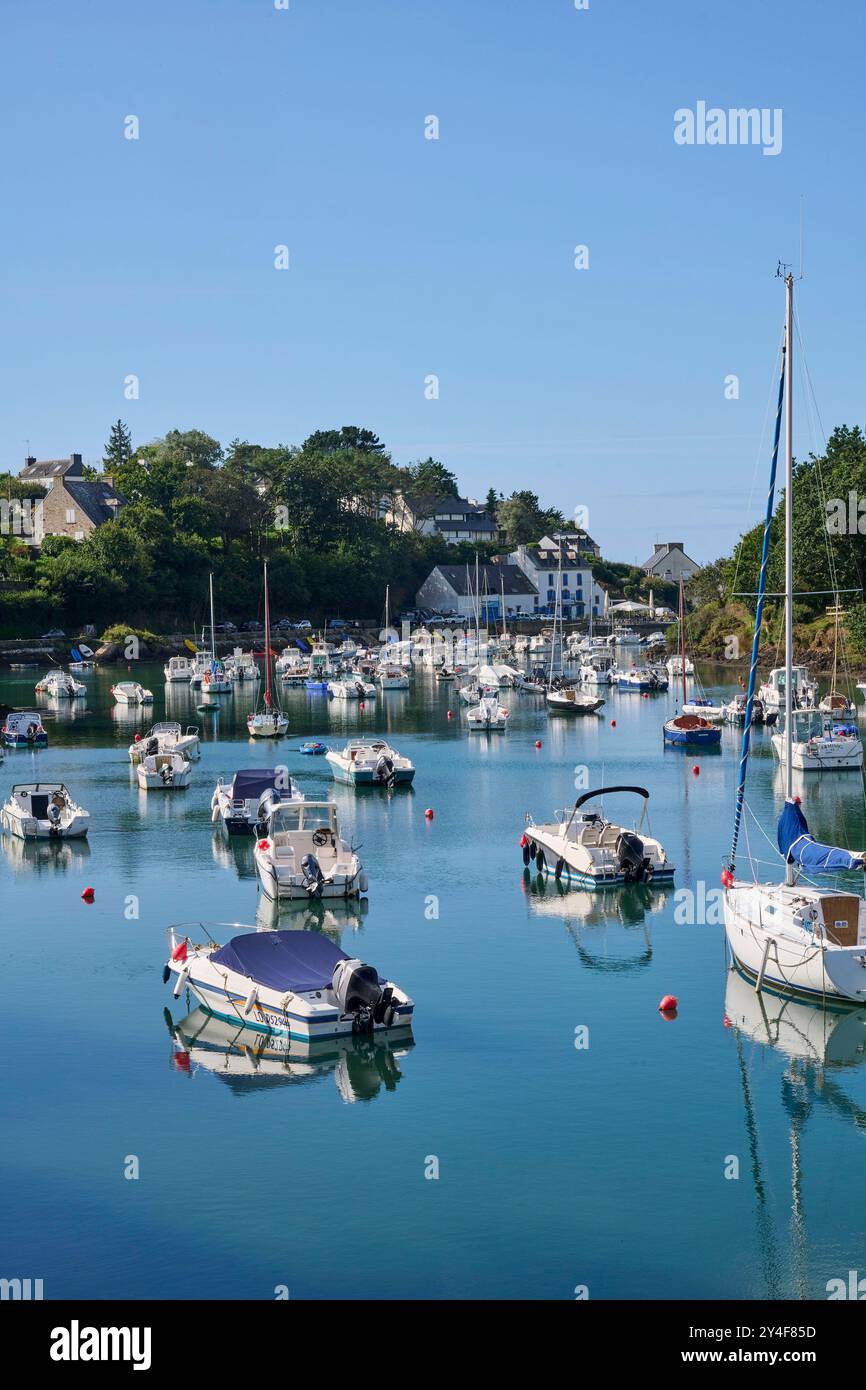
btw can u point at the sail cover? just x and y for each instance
(797, 846)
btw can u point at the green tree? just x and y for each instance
(118, 450)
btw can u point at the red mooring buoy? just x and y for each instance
(669, 1004)
(696, 771)
(613, 723)
(450, 714)
(538, 743)
(428, 814)
(88, 895)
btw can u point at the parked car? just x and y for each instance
(53, 632)
(224, 627)
(251, 625)
(284, 625)
(304, 625)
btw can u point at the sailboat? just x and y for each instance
(215, 679)
(793, 936)
(267, 720)
(562, 696)
(390, 674)
(689, 728)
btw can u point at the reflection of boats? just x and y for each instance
(332, 917)
(37, 856)
(43, 811)
(362, 1066)
(586, 848)
(628, 906)
(831, 1037)
(296, 984)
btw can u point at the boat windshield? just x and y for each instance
(303, 816)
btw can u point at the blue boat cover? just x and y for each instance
(304, 646)
(797, 846)
(292, 960)
(844, 728)
(252, 781)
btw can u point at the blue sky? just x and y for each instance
(601, 388)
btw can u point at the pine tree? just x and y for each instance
(118, 450)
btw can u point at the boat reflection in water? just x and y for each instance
(595, 919)
(823, 1047)
(45, 856)
(246, 1060)
(331, 917)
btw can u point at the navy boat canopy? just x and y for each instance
(295, 960)
(252, 781)
(797, 846)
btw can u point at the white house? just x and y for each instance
(453, 518)
(670, 561)
(581, 594)
(452, 589)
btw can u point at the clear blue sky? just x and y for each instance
(601, 388)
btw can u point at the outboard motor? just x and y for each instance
(358, 992)
(166, 773)
(314, 879)
(151, 748)
(385, 770)
(630, 857)
(53, 814)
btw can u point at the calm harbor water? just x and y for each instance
(559, 1166)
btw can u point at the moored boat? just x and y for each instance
(303, 855)
(585, 848)
(243, 805)
(43, 811)
(163, 772)
(24, 729)
(166, 737)
(370, 762)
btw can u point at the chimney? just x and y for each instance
(29, 461)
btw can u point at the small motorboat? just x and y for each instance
(389, 677)
(640, 679)
(735, 711)
(804, 690)
(444, 673)
(487, 715)
(691, 731)
(163, 772)
(677, 665)
(351, 687)
(43, 811)
(24, 729)
(243, 805)
(61, 686)
(585, 848)
(166, 737)
(312, 748)
(131, 693)
(215, 680)
(370, 762)
(302, 854)
(836, 704)
(834, 747)
(567, 700)
(297, 984)
(178, 670)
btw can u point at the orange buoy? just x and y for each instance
(428, 814)
(88, 895)
(669, 1004)
(538, 743)
(263, 844)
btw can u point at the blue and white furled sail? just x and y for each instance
(798, 847)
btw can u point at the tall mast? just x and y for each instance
(682, 639)
(212, 628)
(789, 546)
(267, 643)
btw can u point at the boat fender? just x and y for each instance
(166, 974)
(526, 852)
(252, 998)
(363, 882)
(533, 849)
(560, 865)
(181, 982)
(540, 862)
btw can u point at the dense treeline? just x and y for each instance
(314, 511)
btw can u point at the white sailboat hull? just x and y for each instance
(786, 958)
(821, 754)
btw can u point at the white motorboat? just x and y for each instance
(302, 854)
(268, 720)
(836, 704)
(735, 711)
(178, 669)
(351, 687)
(567, 700)
(241, 666)
(583, 847)
(24, 729)
(295, 984)
(166, 737)
(488, 714)
(675, 664)
(804, 690)
(793, 937)
(163, 772)
(202, 662)
(131, 693)
(61, 686)
(370, 762)
(598, 671)
(826, 746)
(215, 680)
(43, 811)
(641, 679)
(242, 806)
(626, 637)
(389, 677)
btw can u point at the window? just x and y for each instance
(565, 580)
(79, 535)
(70, 515)
(551, 595)
(549, 580)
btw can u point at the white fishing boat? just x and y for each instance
(131, 693)
(166, 737)
(268, 720)
(163, 772)
(826, 745)
(241, 666)
(793, 936)
(43, 811)
(487, 714)
(370, 762)
(390, 677)
(598, 671)
(735, 711)
(351, 686)
(178, 670)
(585, 848)
(303, 855)
(243, 804)
(674, 666)
(836, 704)
(289, 983)
(60, 685)
(24, 729)
(804, 690)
